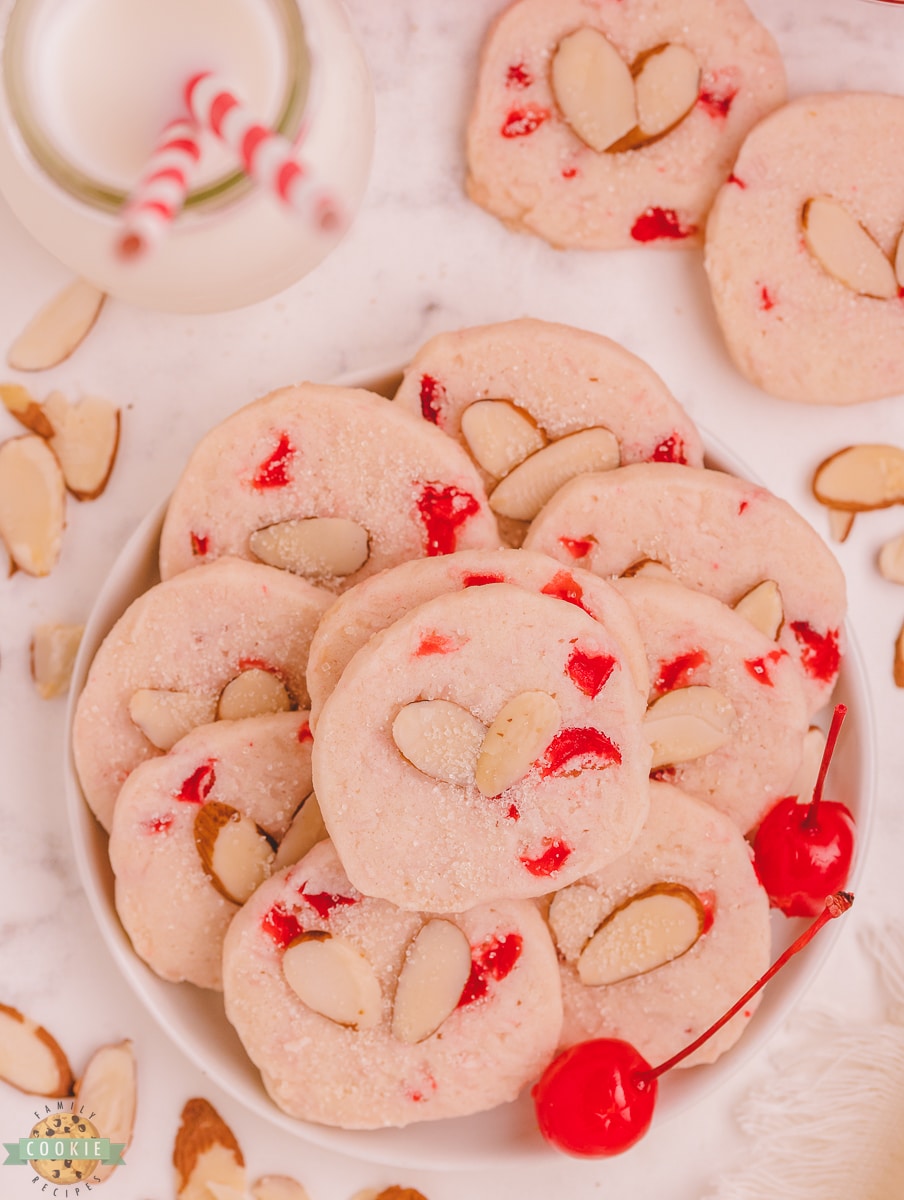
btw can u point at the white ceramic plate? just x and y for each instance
(194, 1018)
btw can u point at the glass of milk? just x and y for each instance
(88, 86)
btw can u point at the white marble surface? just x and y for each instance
(419, 259)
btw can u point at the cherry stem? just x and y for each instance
(836, 904)
(810, 817)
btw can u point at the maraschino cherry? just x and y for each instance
(597, 1098)
(803, 852)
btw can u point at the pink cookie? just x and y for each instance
(331, 483)
(716, 534)
(177, 884)
(416, 1018)
(753, 708)
(373, 605)
(680, 83)
(230, 640)
(801, 246)
(696, 897)
(487, 743)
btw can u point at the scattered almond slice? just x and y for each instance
(20, 403)
(32, 503)
(85, 440)
(647, 931)
(440, 738)
(762, 607)
(805, 776)
(316, 547)
(899, 660)
(30, 1059)
(687, 723)
(861, 478)
(593, 87)
(252, 694)
(841, 522)
(523, 493)
(436, 968)
(58, 329)
(845, 250)
(649, 568)
(235, 853)
(165, 717)
(891, 560)
(306, 830)
(206, 1153)
(500, 435)
(334, 979)
(666, 85)
(277, 1187)
(574, 917)
(520, 733)
(53, 651)
(109, 1089)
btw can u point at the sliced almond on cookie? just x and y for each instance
(30, 1059)
(109, 1089)
(517, 737)
(334, 979)
(278, 1187)
(649, 568)
(58, 329)
(206, 1155)
(164, 717)
(574, 916)
(440, 738)
(891, 560)
(252, 694)
(437, 967)
(53, 651)
(666, 85)
(19, 402)
(306, 830)
(316, 547)
(861, 478)
(593, 88)
(762, 607)
(235, 853)
(32, 503)
(529, 486)
(841, 522)
(845, 250)
(500, 435)
(645, 932)
(85, 440)
(804, 780)
(687, 723)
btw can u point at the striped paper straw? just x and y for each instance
(160, 193)
(267, 156)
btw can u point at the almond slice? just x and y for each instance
(30, 1059)
(58, 329)
(316, 547)
(252, 694)
(593, 87)
(520, 733)
(440, 738)
(899, 660)
(334, 979)
(845, 250)
(891, 560)
(861, 478)
(804, 780)
(277, 1187)
(32, 503)
(306, 830)
(666, 85)
(523, 493)
(436, 968)
(165, 717)
(85, 440)
(840, 524)
(206, 1154)
(500, 435)
(53, 651)
(22, 405)
(687, 723)
(762, 607)
(235, 853)
(645, 932)
(649, 568)
(109, 1089)
(574, 917)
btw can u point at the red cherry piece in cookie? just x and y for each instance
(670, 449)
(196, 788)
(550, 860)
(281, 926)
(660, 224)
(578, 547)
(436, 643)
(565, 587)
(588, 745)
(443, 510)
(274, 470)
(677, 672)
(493, 959)
(589, 670)
(323, 903)
(432, 394)
(819, 653)
(523, 121)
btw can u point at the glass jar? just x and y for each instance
(89, 85)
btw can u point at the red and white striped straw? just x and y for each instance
(160, 193)
(267, 156)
